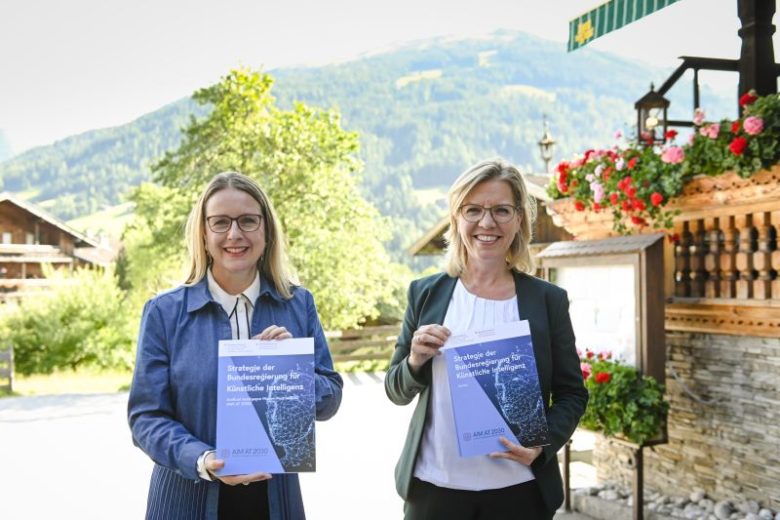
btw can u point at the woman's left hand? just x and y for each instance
(516, 452)
(274, 332)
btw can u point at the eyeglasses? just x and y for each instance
(501, 213)
(223, 223)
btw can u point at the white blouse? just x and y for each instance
(438, 460)
(239, 307)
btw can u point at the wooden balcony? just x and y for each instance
(722, 260)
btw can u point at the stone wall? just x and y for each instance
(728, 445)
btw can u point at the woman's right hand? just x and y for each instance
(213, 464)
(426, 342)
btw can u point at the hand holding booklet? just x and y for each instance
(494, 387)
(265, 406)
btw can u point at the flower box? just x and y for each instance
(704, 196)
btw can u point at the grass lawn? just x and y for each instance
(82, 381)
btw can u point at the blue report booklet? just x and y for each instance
(265, 406)
(494, 389)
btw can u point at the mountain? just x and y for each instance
(424, 112)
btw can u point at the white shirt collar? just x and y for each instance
(227, 300)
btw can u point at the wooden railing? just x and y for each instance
(29, 249)
(725, 261)
(368, 343)
(7, 369)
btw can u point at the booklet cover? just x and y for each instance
(494, 389)
(265, 406)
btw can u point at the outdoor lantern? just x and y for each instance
(546, 144)
(651, 117)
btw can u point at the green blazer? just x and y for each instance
(546, 307)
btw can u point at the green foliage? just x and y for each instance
(306, 162)
(622, 401)
(84, 321)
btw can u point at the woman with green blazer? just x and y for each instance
(485, 285)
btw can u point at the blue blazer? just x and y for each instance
(173, 397)
(546, 307)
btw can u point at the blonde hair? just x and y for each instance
(518, 257)
(273, 263)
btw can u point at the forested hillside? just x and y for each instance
(423, 113)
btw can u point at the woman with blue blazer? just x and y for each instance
(485, 285)
(239, 287)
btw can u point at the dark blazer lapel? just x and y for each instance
(434, 307)
(532, 307)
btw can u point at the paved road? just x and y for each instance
(55, 448)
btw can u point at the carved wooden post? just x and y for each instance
(744, 257)
(728, 269)
(762, 258)
(775, 218)
(696, 259)
(712, 258)
(682, 266)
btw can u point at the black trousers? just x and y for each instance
(519, 502)
(244, 502)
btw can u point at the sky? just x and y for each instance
(69, 67)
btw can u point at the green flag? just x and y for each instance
(608, 17)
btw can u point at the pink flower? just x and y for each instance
(753, 125)
(710, 130)
(673, 155)
(698, 117)
(585, 368)
(598, 191)
(618, 134)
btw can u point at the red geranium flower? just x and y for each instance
(748, 99)
(602, 377)
(638, 204)
(656, 198)
(639, 221)
(735, 126)
(738, 145)
(632, 163)
(585, 368)
(579, 206)
(670, 134)
(630, 192)
(613, 198)
(589, 354)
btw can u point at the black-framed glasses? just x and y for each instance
(223, 223)
(501, 213)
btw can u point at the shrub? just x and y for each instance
(83, 321)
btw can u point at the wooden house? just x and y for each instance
(30, 238)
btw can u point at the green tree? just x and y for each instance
(307, 164)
